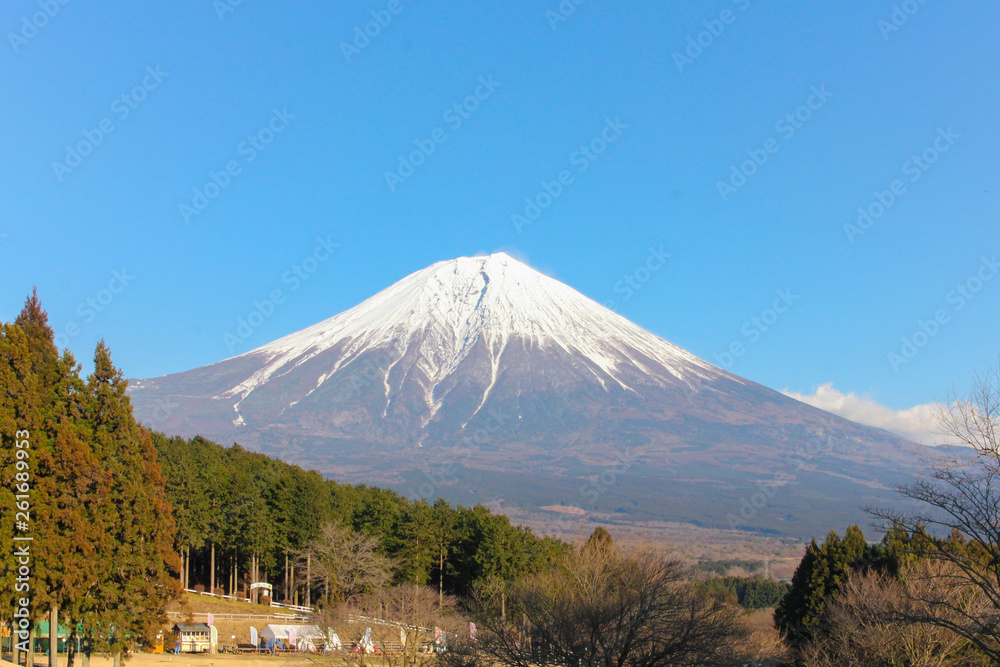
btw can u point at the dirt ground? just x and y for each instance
(192, 660)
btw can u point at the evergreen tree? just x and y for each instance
(138, 568)
(17, 418)
(413, 545)
(600, 539)
(816, 581)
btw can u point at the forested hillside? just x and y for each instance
(236, 508)
(99, 508)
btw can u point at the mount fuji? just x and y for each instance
(480, 379)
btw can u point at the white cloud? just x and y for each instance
(918, 423)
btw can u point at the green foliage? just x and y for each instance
(825, 567)
(113, 503)
(600, 539)
(249, 504)
(816, 580)
(749, 592)
(101, 552)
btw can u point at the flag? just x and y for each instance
(211, 620)
(291, 637)
(254, 639)
(472, 631)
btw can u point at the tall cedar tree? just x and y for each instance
(62, 471)
(16, 414)
(139, 567)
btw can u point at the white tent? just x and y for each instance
(307, 637)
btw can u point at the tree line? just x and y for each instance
(117, 519)
(95, 520)
(243, 516)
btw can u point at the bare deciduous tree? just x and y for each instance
(875, 621)
(345, 563)
(613, 608)
(401, 623)
(962, 494)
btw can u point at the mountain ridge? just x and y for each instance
(534, 379)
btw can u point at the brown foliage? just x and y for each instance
(403, 622)
(878, 620)
(614, 608)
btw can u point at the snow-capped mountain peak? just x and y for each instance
(481, 378)
(438, 316)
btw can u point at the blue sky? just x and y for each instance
(117, 116)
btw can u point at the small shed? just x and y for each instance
(306, 637)
(195, 638)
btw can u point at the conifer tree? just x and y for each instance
(59, 454)
(18, 415)
(816, 581)
(138, 564)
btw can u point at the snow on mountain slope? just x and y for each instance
(480, 378)
(450, 307)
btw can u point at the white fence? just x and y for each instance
(282, 618)
(293, 607)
